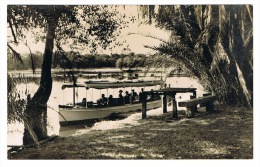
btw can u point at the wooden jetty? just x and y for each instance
(166, 92)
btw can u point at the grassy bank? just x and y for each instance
(226, 133)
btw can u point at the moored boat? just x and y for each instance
(89, 110)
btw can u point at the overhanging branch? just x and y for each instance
(16, 54)
(12, 30)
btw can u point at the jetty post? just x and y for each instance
(144, 96)
(164, 103)
(174, 106)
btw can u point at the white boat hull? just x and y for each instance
(67, 115)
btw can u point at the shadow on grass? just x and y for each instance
(226, 133)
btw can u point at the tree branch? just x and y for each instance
(16, 54)
(32, 59)
(12, 30)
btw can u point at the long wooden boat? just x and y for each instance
(78, 112)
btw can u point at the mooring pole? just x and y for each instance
(193, 97)
(144, 105)
(74, 93)
(164, 103)
(86, 98)
(194, 93)
(174, 106)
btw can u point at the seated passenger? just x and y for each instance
(120, 94)
(103, 100)
(110, 100)
(127, 95)
(121, 100)
(152, 95)
(133, 96)
(84, 102)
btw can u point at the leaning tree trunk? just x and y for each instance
(36, 110)
(217, 51)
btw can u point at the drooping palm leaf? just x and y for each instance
(215, 45)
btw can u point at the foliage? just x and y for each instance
(27, 61)
(82, 26)
(214, 42)
(83, 61)
(16, 104)
(167, 64)
(131, 61)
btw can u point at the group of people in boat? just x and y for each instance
(127, 98)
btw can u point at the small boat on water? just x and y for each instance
(89, 110)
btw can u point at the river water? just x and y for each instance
(59, 96)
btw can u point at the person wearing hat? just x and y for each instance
(120, 94)
(127, 95)
(121, 100)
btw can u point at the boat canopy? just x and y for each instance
(72, 85)
(115, 84)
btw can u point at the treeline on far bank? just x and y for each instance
(77, 60)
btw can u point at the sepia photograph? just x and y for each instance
(130, 82)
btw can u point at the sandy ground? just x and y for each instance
(226, 133)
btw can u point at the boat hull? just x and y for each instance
(68, 115)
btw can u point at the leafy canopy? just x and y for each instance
(80, 27)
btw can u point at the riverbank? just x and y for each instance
(226, 133)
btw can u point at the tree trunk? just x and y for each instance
(36, 110)
(217, 48)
